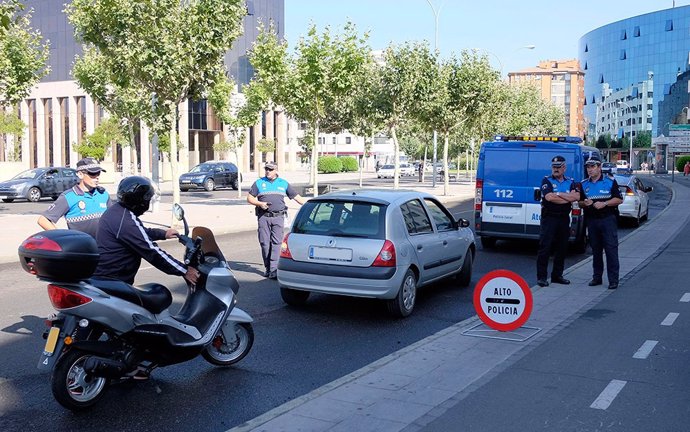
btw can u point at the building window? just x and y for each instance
(585, 65)
(624, 34)
(623, 56)
(636, 32)
(601, 78)
(348, 140)
(669, 25)
(322, 140)
(334, 141)
(586, 48)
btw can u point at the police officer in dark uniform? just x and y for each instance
(600, 198)
(268, 195)
(558, 192)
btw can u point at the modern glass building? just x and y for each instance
(636, 74)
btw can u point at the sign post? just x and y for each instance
(503, 300)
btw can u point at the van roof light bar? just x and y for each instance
(565, 139)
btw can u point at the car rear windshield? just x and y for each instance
(341, 219)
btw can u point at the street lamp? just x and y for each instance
(630, 158)
(436, 13)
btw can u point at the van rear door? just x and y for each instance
(505, 190)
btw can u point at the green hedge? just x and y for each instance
(330, 164)
(680, 162)
(349, 163)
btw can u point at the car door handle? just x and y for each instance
(445, 242)
(420, 247)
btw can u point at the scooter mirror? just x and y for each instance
(178, 211)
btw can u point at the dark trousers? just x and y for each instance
(270, 238)
(553, 236)
(603, 237)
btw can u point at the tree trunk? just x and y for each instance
(174, 173)
(238, 158)
(315, 161)
(446, 174)
(396, 153)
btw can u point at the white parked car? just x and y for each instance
(622, 167)
(386, 171)
(635, 200)
(407, 170)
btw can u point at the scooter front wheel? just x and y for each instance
(72, 386)
(232, 343)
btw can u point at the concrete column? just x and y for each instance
(58, 158)
(145, 156)
(90, 112)
(281, 138)
(183, 133)
(26, 148)
(41, 153)
(73, 131)
(196, 148)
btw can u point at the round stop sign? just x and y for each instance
(503, 300)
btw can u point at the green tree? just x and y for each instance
(315, 83)
(178, 53)
(643, 139)
(11, 125)
(524, 112)
(110, 132)
(603, 142)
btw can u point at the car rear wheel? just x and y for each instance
(294, 297)
(34, 194)
(235, 184)
(403, 304)
(636, 221)
(465, 275)
(7, 200)
(209, 185)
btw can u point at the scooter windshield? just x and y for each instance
(208, 246)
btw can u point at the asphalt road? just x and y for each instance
(296, 350)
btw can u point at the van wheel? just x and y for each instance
(488, 242)
(403, 303)
(294, 297)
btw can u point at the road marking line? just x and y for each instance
(608, 395)
(670, 319)
(645, 349)
(685, 298)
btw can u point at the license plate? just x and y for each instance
(330, 254)
(51, 341)
(185, 181)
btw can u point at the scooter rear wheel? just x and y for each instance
(232, 343)
(72, 386)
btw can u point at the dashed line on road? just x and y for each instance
(645, 349)
(670, 319)
(608, 395)
(685, 298)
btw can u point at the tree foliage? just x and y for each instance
(643, 139)
(316, 83)
(524, 112)
(23, 54)
(109, 133)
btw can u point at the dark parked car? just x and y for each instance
(37, 183)
(211, 175)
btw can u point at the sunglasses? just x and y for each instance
(269, 169)
(93, 175)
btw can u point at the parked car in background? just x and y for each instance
(635, 204)
(608, 168)
(622, 167)
(373, 243)
(211, 175)
(407, 170)
(386, 171)
(37, 183)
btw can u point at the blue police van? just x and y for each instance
(508, 197)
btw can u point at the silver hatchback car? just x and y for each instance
(373, 243)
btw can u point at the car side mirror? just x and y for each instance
(463, 223)
(648, 189)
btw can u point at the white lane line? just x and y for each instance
(608, 395)
(685, 298)
(670, 319)
(645, 349)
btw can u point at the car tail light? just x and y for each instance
(629, 191)
(284, 248)
(386, 258)
(478, 195)
(577, 211)
(62, 298)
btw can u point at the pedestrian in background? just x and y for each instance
(600, 198)
(268, 194)
(686, 169)
(558, 192)
(83, 204)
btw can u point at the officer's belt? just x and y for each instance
(274, 213)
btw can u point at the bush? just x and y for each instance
(330, 164)
(349, 164)
(680, 162)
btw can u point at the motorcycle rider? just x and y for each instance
(123, 240)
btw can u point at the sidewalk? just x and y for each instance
(221, 215)
(424, 382)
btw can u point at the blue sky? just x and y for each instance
(500, 27)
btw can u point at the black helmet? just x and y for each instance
(135, 193)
